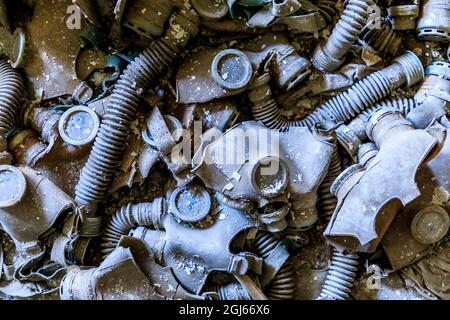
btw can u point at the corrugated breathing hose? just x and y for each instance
(341, 276)
(121, 110)
(327, 9)
(130, 216)
(354, 133)
(228, 291)
(11, 91)
(282, 286)
(330, 55)
(383, 39)
(406, 69)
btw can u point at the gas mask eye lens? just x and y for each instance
(190, 203)
(270, 176)
(12, 186)
(79, 126)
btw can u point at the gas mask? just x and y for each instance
(265, 166)
(371, 193)
(433, 97)
(199, 235)
(63, 144)
(107, 282)
(29, 199)
(425, 221)
(211, 73)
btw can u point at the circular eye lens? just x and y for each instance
(231, 69)
(12, 186)
(79, 126)
(190, 204)
(430, 225)
(210, 9)
(270, 176)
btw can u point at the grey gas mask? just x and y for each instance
(265, 166)
(370, 193)
(198, 235)
(29, 199)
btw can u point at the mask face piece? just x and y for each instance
(284, 163)
(51, 52)
(365, 210)
(193, 253)
(162, 278)
(425, 220)
(192, 248)
(29, 199)
(202, 69)
(117, 278)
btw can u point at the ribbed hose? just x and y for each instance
(327, 9)
(263, 244)
(383, 40)
(373, 88)
(343, 268)
(330, 55)
(110, 142)
(326, 200)
(265, 108)
(120, 112)
(341, 276)
(342, 271)
(357, 98)
(344, 106)
(129, 217)
(404, 105)
(282, 286)
(229, 291)
(11, 91)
